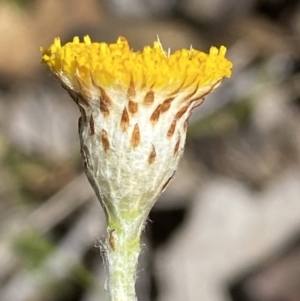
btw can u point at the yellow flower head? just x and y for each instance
(81, 63)
(135, 107)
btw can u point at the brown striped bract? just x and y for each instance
(92, 125)
(176, 148)
(167, 182)
(132, 106)
(166, 104)
(124, 120)
(105, 97)
(172, 129)
(181, 112)
(84, 87)
(149, 98)
(82, 119)
(105, 103)
(155, 115)
(131, 89)
(105, 141)
(135, 137)
(81, 100)
(152, 155)
(103, 107)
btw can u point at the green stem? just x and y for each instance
(122, 251)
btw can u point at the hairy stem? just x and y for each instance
(122, 247)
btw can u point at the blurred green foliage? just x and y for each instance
(234, 115)
(33, 248)
(20, 2)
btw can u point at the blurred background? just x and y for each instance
(228, 226)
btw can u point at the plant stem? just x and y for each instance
(122, 251)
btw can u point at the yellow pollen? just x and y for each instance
(116, 64)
